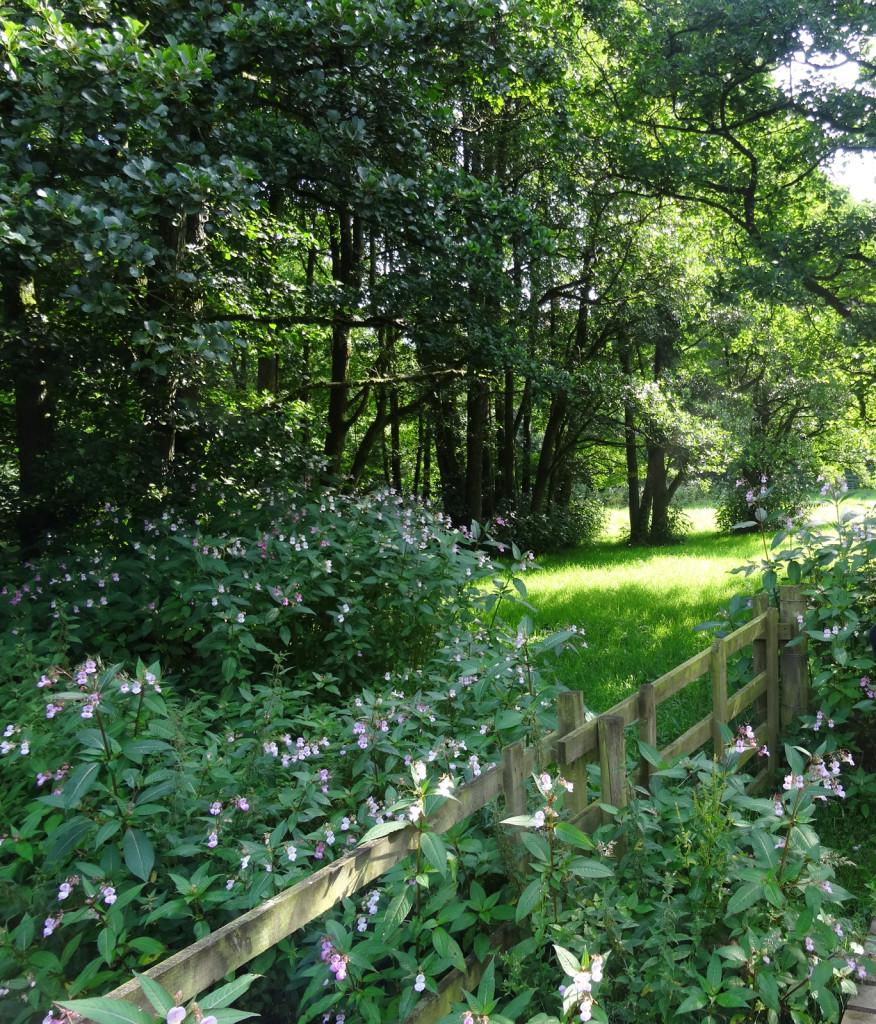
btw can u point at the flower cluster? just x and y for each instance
(337, 961)
(578, 995)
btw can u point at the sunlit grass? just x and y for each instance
(638, 607)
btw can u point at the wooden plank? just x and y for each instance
(513, 775)
(570, 716)
(647, 730)
(795, 660)
(538, 756)
(470, 797)
(688, 742)
(772, 695)
(759, 653)
(688, 672)
(577, 744)
(198, 967)
(612, 762)
(718, 665)
(747, 695)
(745, 635)
(590, 820)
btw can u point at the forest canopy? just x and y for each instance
(493, 252)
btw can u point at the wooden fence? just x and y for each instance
(572, 747)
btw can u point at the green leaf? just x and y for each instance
(523, 820)
(227, 994)
(695, 1001)
(139, 853)
(652, 754)
(536, 844)
(735, 997)
(396, 912)
(155, 993)
(65, 838)
(487, 987)
(736, 954)
(713, 972)
(827, 1001)
(586, 867)
(529, 900)
(573, 835)
(768, 988)
(80, 782)
(106, 945)
(434, 851)
(745, 896)
(379, 831)
(508, 718)
(109, 1011)
(568, 961)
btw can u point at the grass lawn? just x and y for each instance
(638, 606)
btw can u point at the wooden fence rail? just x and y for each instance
(574, 745)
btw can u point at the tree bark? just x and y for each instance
(346, 269)
(33, 423)
(476, 422)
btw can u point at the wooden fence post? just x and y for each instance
(794, 660)
(612, 762)
(513, 777)
(647, 730)
(570, 715)
(718, 663)
(759, 657)
(772, 694)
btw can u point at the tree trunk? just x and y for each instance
(346, 268)
(638, 527)
(448, 455)
(33, 423)
(545, 466)
(476, 421)
(268, 375)
(395, 441)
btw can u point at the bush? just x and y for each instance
(556, 528)
(237, 585)
(786, 471)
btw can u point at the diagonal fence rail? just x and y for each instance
(776, 694)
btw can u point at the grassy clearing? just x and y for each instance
(639, 608)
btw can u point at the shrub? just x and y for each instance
(788, 493)
(556, 528)
(236, 585)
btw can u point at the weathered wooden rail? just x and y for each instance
(573, 745)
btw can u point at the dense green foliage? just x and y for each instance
(497, 250)
(268, 269)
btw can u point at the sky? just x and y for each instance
(857, 173)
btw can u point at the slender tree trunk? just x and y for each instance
(33, 423)
(268, 375)
(545, 467)
(476, 422)
(395, 441)
(375, 429)
(448, 455)
(346, 269)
